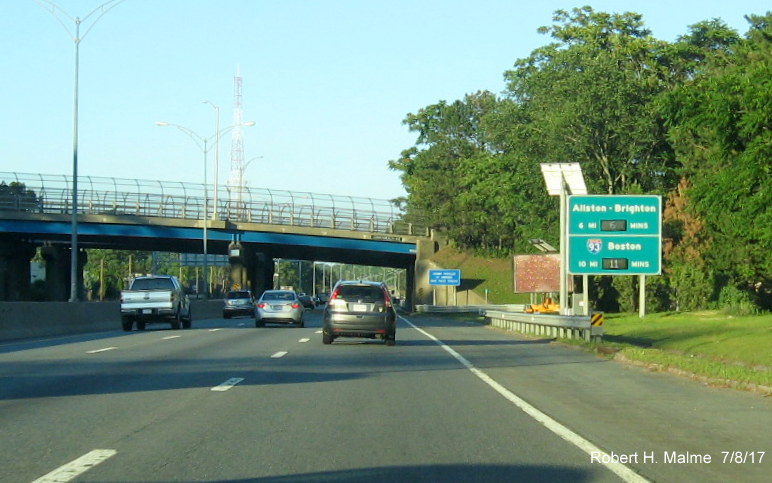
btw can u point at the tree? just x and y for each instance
(16, 196)
(720, 129)
(437, 170)
(588, 99)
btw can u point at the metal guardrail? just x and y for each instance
(511, 317)
(464, 309)
(45, 193)
(557, 326)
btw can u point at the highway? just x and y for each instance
(452, 401)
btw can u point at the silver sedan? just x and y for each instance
(279, 306)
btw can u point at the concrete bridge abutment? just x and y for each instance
(250, 269)
(15, 257)
(58, 262)
(418, 276)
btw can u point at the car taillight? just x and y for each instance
(261, 305)
(335, 294)
(296, 305)
(386, 298)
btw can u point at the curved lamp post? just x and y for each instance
(202, 143)
(57, 12)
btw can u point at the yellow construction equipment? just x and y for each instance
(546, 307)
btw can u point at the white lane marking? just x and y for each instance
(71, 470)
(304, 339)
(619, 469)
(228, 384)
(318, 332)
(279, 354)
(96, 351)
(214, 330)
(172, 337)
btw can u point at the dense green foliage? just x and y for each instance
(16, 196)
(107, 272)
(688, 120)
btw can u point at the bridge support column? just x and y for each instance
(58, 262)
(262, 273)
(250, 270)
(239, 261)
(15, 257)
(419, 278)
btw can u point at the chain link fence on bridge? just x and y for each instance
(45, 193)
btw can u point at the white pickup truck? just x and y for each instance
(155, 298)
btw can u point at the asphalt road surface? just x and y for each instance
(452, 401)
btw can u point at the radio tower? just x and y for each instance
(236, 177)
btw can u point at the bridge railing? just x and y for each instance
(170, 199)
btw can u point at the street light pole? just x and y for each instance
(54, 9)
(205, 219)
(216, 156)
(74, 262)
(202, 142)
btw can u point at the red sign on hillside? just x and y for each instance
(537, 273)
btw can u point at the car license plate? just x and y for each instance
(147, 311)
(359, 308)
(277, 307)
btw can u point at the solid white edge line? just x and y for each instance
(76, 467)
(619, 469)
(279, 354)
(228, 384)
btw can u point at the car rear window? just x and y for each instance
(152, 284)
(279, 296)
(364, 293)
(238, 295)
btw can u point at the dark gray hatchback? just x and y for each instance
(360, 309)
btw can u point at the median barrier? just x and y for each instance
(26, 320)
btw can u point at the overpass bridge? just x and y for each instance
(252, 225)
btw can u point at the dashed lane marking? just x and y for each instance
(228, 384)
(96, 351)
(304, 339)
(168, 337)
(71, 470)
(279, 355)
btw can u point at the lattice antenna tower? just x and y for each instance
(236, 177)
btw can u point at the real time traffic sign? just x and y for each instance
(445, 277)
(614, 235)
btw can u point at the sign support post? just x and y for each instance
(563, 250)
(561, 178)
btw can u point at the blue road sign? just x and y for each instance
(614, 234)
(445, 277)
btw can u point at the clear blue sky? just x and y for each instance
(328, 82)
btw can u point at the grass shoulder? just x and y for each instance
(711, 346)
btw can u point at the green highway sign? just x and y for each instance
(614, 234)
